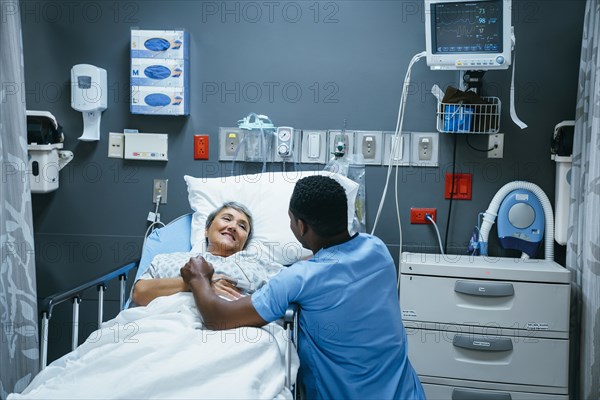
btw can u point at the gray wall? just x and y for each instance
(356, 54)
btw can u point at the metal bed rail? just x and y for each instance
(290, 319)
(75, 295)
(290, 324)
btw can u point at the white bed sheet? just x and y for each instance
(162, 352)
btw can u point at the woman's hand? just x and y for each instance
(223, 287)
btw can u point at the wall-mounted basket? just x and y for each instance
(483, 118)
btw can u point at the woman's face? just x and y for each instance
(228, 232)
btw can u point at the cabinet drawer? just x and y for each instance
(506, 304)
(446, 392)
(501, 359)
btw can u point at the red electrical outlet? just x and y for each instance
(462, 190)
(418, 215)
(200, 147)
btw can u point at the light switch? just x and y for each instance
(314, 147)
(116, 144)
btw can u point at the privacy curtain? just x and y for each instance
(583, 246)
(19, 355)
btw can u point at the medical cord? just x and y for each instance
(157, 221)
(263, 145)
(480, 150)
(451, 197)
(399, 227)
(237, 151)
(436, 231)
(395, 143)
(397, 134)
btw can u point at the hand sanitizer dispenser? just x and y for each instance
(89, 95)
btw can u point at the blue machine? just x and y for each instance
(521, 222)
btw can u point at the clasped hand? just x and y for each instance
(198, 268)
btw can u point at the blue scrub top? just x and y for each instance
(351, 340)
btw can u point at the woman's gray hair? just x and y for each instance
(238, 207)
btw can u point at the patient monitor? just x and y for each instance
(89, 95)
(468, 34)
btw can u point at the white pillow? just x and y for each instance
(267, 196)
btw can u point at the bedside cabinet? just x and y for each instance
(484, 328)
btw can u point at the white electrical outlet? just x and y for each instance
(496, 145)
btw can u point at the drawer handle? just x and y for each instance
(465, 394)
(482, 343)
(487, 289)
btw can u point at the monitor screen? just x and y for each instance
(463, 34)
(474, 27)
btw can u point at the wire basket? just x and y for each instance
(469, 118)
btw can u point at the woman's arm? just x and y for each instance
(146, 290)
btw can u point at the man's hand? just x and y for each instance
(217, 312)
(197, 268)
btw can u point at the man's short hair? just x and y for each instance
(320, 201)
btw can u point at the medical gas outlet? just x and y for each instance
(284, 137)
(284, 145)
(287, 144)
(425, 149)
(370, 145)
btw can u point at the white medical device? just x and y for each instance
(525, 213)
(562, 154)
(258, 132)
(45, 150)
(285, 137)
(468, 34)
(89, 93)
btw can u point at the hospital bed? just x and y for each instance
(168, 239)
(267, 196)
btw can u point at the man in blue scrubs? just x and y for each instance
(351, 342)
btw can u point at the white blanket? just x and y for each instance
(162, 351)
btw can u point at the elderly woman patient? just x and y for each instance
(239, 272)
